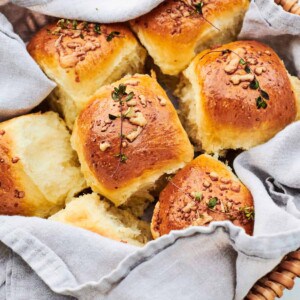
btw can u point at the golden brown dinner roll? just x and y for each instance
(123, 158)
(38, 168)
(176, 31)
(203, 191)
(81, 57)
(99, 216)
(236, 96)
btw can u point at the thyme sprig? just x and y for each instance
(254, 84)
(248, 211)
(199, 9)
(212, 202)
(112, 35)
(120, 95)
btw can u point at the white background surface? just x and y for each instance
(294, 294)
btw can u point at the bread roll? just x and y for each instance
(236, 96)
(38, 168)
(203, 191)
(99, 216)
(81, 57)
(176, 31)
(153, 141)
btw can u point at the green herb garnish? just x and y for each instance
(120, 95)
(198, 196)
(112, 35)
(261, 103)
(62, 23)
(112, 117)
(119, 92)
(123, 157)
(254, 84)
(199, 10)
(97, 29)
(247, 69)
(248, 212)
(74, 24)
(264, 94)
(85, 25)
(199, 7)
(226, 51)
(242, 61)
(129, 96)
(212, 202)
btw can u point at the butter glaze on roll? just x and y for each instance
(174, 32)
(81, 57)
(219, 107)
(39, 171)
(205, 190)
(154, 141)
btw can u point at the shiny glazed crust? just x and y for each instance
(220, 112)
(13, 200)
(160, 144)
(82, 60)
(175, 32)
(187, 199)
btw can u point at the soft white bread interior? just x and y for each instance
(98, 215)
(153, 141)
(81, 57)
(236, 96)
(175, 31)
(38, 168)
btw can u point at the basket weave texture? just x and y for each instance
(282, 277)
(291, 6)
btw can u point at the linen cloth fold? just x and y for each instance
(22, 83)
(41, 259)
(101, 11)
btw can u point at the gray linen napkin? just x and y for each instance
(102, 11)
(45, 259)
(22, 84)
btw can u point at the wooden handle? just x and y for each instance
(282, 277)
(290, 6)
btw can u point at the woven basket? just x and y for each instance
(291, 6)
